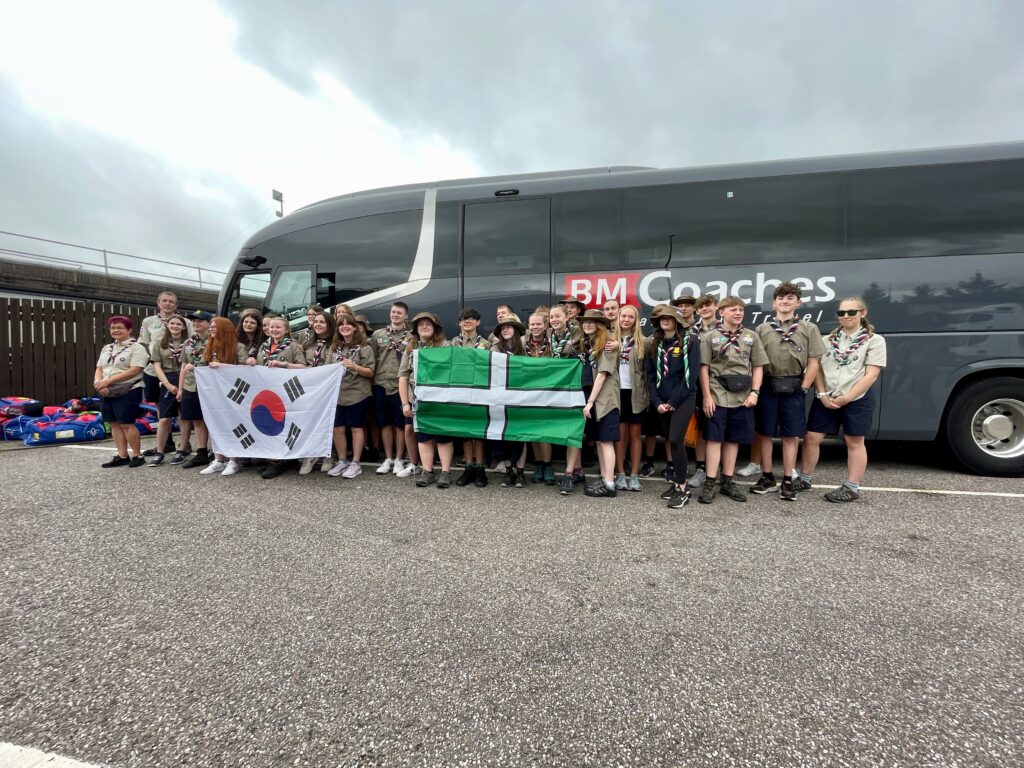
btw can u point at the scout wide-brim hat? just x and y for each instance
(512, 320)
(573, 300)
(363, 321)
(428, 316)
(687, 299)
(596, 315)
(664, 310)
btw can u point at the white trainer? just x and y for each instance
(385, 466)
(307, 465)
(407, 471)
(338, 468)
(352, 470)
(750, 470)
(325, 464)
(398, 466)
(233, 468)
(212, 467)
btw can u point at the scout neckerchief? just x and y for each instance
(588, 355)
(474, 342)
(273, 352)
(559, 343)
(698, 325)
(664, 350)
(117, 347)
(732, 338)
(318, 352)
(174, 352)
(193, 349)
(399, 342)
(785, 334)
(537, 347)
(626, 346)
(346, 352)
(842, 357)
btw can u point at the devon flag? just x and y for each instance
(465, 392)
(269, 413)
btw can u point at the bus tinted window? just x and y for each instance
(934, 210)
(588, 231)
(506, 238)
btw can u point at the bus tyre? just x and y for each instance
(985, 427)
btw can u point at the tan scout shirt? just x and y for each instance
(192, 353)
(566, 344)
(406, 370)
(354, 388)
(789, 358)
(537, 350)
(389, 348)
(153, 329)
(840, 376)
(318, 353)
(169, 357)
(293, 353)
(478, 343)
(633, 374)
(723, 360)
(118, 357)
(608, 398)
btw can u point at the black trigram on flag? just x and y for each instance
(243, 434)
(293, 435)
(239, 392)
(294, 389)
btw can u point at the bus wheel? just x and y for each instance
(985, 427)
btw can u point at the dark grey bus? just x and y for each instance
(933, 240)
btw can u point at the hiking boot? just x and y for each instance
(786, 491)
(708, 491)
(549, 474)
(444, 480)
(136, 461)
(566, 486)
(425, 479)
(480, 481)
(520, 478)
(385, 466)
(680, 500)
(750, 470)
(697, 478)
(733, 491)
(467, 476)
(201, 459)
(212, 467)
(763, 485)
(307, 465)
(352, 470)
(620, 482)
(842, 494)
(510, 478)
(800, 485)
(538, 474)
(646, 469)
(600, 489)
(633, 483)
(178, 458)
(158, 460)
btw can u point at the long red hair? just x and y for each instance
(224, 342)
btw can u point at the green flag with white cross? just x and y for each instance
(465, 392)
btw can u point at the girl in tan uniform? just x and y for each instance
(316, 351)
(601, 388)
(428, 331)
(351, 349)
(537, 343)
(509, 334)
(250, 333)
(165, 356)
(223, 348)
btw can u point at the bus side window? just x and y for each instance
(291, 293)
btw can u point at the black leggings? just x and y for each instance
(674, 424)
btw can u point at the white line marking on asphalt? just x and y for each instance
(13, 756)
(90, 447)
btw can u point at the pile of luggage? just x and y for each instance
(76, 421)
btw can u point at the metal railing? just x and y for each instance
(111, 263)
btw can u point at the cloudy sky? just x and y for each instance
(159, 129)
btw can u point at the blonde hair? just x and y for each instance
(639, 340)
(863, 318)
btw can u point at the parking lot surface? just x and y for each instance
(156, 617)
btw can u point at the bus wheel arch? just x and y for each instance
(983, 423)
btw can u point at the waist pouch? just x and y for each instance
(121, 388)
(785, 385)
(735, 382)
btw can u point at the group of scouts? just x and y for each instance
(699, 364)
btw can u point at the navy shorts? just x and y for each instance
(781, 415)
(731, 425)
(167, 405)
(604, 430)
(123, 409)
(352, 416)
(388, 408)
(423, 437)
(150, 388)
(854, 418)
(626, 414)
(191, 408)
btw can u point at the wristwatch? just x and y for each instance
(821, 395)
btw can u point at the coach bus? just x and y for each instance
(932, 239)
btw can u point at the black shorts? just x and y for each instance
(626, 414)
(191, 409)
(387, 408)
(781, 415)
(151, 388)
(731, 425)
(167, 405)
(605, 430)
(352, 416)
(854, 418)
(123, 409)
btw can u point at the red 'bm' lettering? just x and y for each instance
(595, 290)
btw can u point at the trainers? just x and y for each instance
(680, 500)
(425, 479)
(786, 491)
(697, 478)
(169, 445)
(620, 482)
(352, 470)
(467, 476)
(272, 470)
(799, 484)
(708, 491)
(307, 465)
(669, 473)
(158, 460)
(578, 477)
(600, 489)
(842, 494)
(385, 466)
(764, 485)
(338, 468)
(566, 485)
(750, 470)
(510, 478)
(397, 466)
(150, 452)
(408, 469)
(212, 467)
(480, 481)
(520, 478)
(646, 469)
(444, 480)
(232, 468)
(538, 474)
(549, 474)
(669, 492)
(633, 483)
(136, 461)
(325, 464)
(733, 491)
(186, 450)
(178, 458)
(201, 459)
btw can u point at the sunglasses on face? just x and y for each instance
(847, 313)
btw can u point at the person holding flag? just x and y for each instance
(316, 349)
(537, 343)
(429, 332)
(190, 414)
(223, 348)
(473, 449)
(279, 351)
(352, 351)
(250, 333)
(509, 334)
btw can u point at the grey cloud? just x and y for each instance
(533, 86)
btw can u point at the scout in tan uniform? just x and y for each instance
(707, 319)
(563, 340)
(223, 348)
(166, 361)
(794, 348)
(509, 334)
(731, 368)
(429, 332)
(316, 351)
(152, 330)
(854, 358)
(279, 350)
(601, 389)
(537, 343)
(250, 333)
(473, 449)
(389, 344)
(633, 396)
(118, 380)
(351, 349)
(685, 307)
(190, 410)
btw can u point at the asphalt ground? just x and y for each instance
(156, 617)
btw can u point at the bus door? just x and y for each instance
(506, 256)
(292, 289)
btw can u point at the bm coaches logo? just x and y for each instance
(662, 285)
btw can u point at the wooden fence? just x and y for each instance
(48, 349)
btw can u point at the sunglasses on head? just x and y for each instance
(847, 312)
